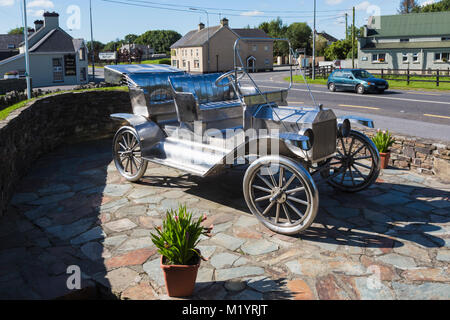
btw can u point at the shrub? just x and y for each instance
(383, 141)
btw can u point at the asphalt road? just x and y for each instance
(418, 113)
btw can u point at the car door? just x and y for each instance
(349, 81)
(338, 80)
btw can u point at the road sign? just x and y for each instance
(107, 55)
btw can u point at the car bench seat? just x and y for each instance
(197, 98)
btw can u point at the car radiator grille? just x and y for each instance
(325, 135)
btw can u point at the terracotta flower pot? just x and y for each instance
(384, 157)
(180, 279)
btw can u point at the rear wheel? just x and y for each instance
(332, 87)
(360, 89)
(281, 194)
(127, 153)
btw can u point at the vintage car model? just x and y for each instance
(204, 124)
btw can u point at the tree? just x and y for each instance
(113, 46)
(276, 29)
(341, 50)
(408, 6)
(98, 47)
(321, 45)
(19, 30)
(160, 40)
(300, 35)
(440, 6)
(130, 38)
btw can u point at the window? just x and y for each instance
(404, 57)
(266, 62)
(192, 52)
(445, 38)
(415, 57)
(82, 54)
(11, 46)
(441, 56)
(196, 64)
(83, 74)
(338, 74)
(266, 48)
(379, 57)
(184, 63)
(196, 52)
(255, 48)
(174, 63)
(404, 40)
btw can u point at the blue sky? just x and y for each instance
(115, 20)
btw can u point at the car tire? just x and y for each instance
(360, 89)
(332, 87)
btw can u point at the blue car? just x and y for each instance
(357, 80)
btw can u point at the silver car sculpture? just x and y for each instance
(200, 124)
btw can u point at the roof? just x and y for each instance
(195, 38)
(55, 41)
(407, 45)
(410, 25)
(7, 39)
(327, 36)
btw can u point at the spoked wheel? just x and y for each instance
(281, 194)
(356, 164)
(127, 154)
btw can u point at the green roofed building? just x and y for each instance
(414, 41)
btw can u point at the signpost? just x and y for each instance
(107, 55)
(70, 65)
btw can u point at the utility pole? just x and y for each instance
(353, 40)
(346, 26)
(27, 53)
(207, 28)
(314, 45)
(92, 43)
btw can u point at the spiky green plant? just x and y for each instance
(383, 141)
(179, 236)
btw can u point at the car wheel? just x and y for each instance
(360, 89)
(332, 87)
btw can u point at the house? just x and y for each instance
(147, 51)
(9, 45)
(408, 41)
(192, 52)
(55, 57)
(329, 38)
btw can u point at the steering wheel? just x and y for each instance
(230, 76)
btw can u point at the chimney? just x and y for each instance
(51, 20)
(224, 22)
(38, 24)
(201, 26)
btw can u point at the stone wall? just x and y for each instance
(49, 122)
(420, 155)
(7, 85)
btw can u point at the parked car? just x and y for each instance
(357, 80)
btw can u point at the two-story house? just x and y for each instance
(55, 57)
(414, 41)
(215, 45)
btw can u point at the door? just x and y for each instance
(58, 75)
(349, 81)
(338, 80)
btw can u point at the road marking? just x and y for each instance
(353, 95)
(350, 106)
(299, 102)
(436, 116)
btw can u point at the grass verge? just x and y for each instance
(157, 61)
(5, 112)
(402, 85)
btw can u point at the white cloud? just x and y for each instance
(424, 3)
(41, 3)
(35, 13)
(334, 2)
(252, 13)
(363, 6)
(6, 3)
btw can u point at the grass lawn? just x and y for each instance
(5, 112)
(157, 61)
(392, 84)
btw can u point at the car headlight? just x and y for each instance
(307, 132)
(344, 128)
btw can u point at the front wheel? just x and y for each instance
(332, 87)
(360, 89)
(356, 164)
(127, 154)
(281, 194)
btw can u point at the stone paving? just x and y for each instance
(73, 209)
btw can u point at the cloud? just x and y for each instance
(252, 13)
(427, 2)
(6, 3)
(41, 4)
(363, 6)
(35, 13)
(334, 2)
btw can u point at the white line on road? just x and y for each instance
(350, 106)
(353, 95)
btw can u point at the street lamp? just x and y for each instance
(27, 53)
(207, 29)
(92, 43)
(314, 45)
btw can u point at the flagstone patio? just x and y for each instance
(391, 241)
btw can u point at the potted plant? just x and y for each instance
(383, 141)
(176, 241)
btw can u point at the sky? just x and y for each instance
(113, 19)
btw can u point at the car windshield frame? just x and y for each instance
(358, 74)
